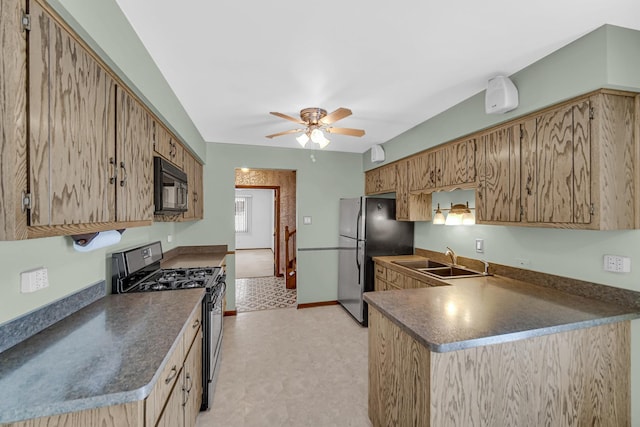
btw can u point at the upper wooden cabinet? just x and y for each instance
(195, 196)
(444, 168)
(424, 170)
(167, 146)
(570, 166)
(134, 160)
(89, 148)
(381, 180)
(84, 162)
(410, 207)
(498, 166)
(458, 164)
(72, 129)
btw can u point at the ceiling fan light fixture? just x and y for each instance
(302, 139)
(324, 143)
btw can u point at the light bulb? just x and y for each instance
(438, 218)
(317, 136)
(468, 218)
(453, 219)
(302, 139)
(324, 142)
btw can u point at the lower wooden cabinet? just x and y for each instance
(578, 377)
(183, 404)
(388, 279)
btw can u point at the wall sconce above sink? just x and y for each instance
(459, 214)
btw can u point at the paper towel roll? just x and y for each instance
(104, 238)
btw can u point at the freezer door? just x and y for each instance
(351, 276)
(351, 218)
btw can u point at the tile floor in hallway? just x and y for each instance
(263, 293)
(290, 367)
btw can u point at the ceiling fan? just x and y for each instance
(316, 122)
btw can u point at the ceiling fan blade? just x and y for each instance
(346, 131)
(284, 116)
(339, 114)
(286, 132)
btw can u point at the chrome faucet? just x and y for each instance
(452, 254)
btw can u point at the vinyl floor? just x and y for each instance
(290, 367)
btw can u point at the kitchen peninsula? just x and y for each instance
(492, 350)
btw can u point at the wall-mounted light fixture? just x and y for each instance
(459, 214)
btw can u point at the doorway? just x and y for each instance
(256, 218)
(265, 210)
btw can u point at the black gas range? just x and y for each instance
(138, 270)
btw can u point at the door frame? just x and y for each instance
(276, 220)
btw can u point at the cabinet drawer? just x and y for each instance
(193, 326)
(160, 393)
(381, 272)
(395, 278)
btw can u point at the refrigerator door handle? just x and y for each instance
(358, 265)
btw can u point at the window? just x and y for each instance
(243, 213)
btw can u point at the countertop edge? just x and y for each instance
(531, 333)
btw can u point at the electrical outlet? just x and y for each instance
(34, 280)
(617, 264)
(480, 245)
(169, 238)
(306, 220)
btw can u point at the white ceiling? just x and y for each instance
(394, 64)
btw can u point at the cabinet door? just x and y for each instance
(458, 163)
(135, 168)
(193, 382)
(402, 190)
(564, 165)
(13, 119)
(498, 166)
(371, 179)
(198, 208)
(422, 171)
(173, 414)
(72, 137)
(189, 162)
(387, 179)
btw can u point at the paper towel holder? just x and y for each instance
(86, 238)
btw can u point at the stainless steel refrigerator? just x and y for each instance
(367, 228)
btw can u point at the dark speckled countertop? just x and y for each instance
(108, 353)
(487, 310)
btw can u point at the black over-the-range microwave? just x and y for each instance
(170, 188)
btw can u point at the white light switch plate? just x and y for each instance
(34, 280)
(480, 245)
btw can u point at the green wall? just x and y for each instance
(607, 57)
(320, 184)
(68, 269)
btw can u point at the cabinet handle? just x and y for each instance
(114, 170)
(432, 177)
(195, 196)
(528, 186)
(196, 324)
(124, 179)
(172, 374)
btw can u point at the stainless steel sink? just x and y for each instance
(420, 264)
(438, 269)
(451, 272)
